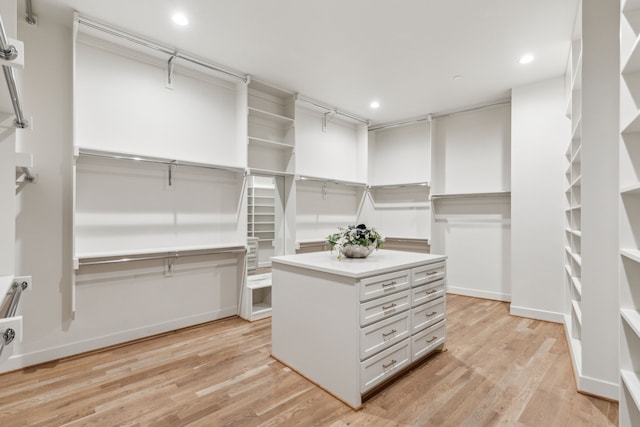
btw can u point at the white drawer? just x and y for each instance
(427, 292)
(426, 341)
(427, 314)
(384, 334)
(384, 365)
(384, 284)
(381, 308)
(428, 273)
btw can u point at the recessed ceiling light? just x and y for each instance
(374, 104)
(457, 77)
(180, 19)
(525, 59)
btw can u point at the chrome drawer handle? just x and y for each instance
(432, 292)
(389, 307)
(433, 313)
(392, 284)
(432, 339)
(393, 362)
(393, 331)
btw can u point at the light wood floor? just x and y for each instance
(498, 370)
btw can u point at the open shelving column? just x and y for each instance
(630, 214)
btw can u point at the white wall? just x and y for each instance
(471, 153)
(539, 134)
(113, 305)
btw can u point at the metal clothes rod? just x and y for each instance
(175, 255)
(330, 109)
(409, 184)
(159, 161)
(156, 46)
(9, 52)
(431, 117)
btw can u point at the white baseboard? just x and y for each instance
(533, 313)
(585, 384)
(479, 293)
(19, 361)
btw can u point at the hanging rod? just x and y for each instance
(303, 98)
(431, 117)
(171, 51)
(169, 255)
(408, 184)
(403, 123)
(8, 52)
(157, 160)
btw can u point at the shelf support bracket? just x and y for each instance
(172, 171)
(324, 191)
(326, 119)
(170, 262)
(170, 67)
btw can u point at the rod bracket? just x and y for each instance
(326, 118)
(170, 67)
(10, 53)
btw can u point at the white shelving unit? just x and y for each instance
(591, 201)
(630, 214)
(257, 304)
(261, 217)
(573, 207)
(271, 114)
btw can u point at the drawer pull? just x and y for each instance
(389, 307)
(393, 331)
(432, 273)
(393, 362)
(433, 313)
(391, 284)
(431, 292)
(432, 339)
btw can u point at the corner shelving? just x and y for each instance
(630, 214)
(261, 220)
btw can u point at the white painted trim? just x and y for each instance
(478, 293)
(533, 313)
(19, 361)
(586, 384)
(598, 387)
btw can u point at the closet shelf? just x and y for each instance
(86, 152)
(633, 125)
(470, 195)
(574, 232)
(262, 114)
(258, 171)
(631, 190)
(329, 180)
(631, 63)
(577, 285)
(270, 143)
(632, 254)
(400, 185)
(632, 382)
(201, 250)
(577, 311)
(632, 318)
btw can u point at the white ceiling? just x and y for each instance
(403, 53)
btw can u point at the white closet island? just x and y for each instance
(351, 325)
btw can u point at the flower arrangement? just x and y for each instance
(355, 241)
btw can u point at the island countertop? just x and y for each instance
(379, 262)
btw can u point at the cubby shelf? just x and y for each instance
(270, 143)
(632, 383)
(267, 115)
(632, 254)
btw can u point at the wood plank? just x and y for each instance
(498, 370)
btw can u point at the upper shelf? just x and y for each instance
(330, 180)
(158, 160)
(470, 195)
(262, 114)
